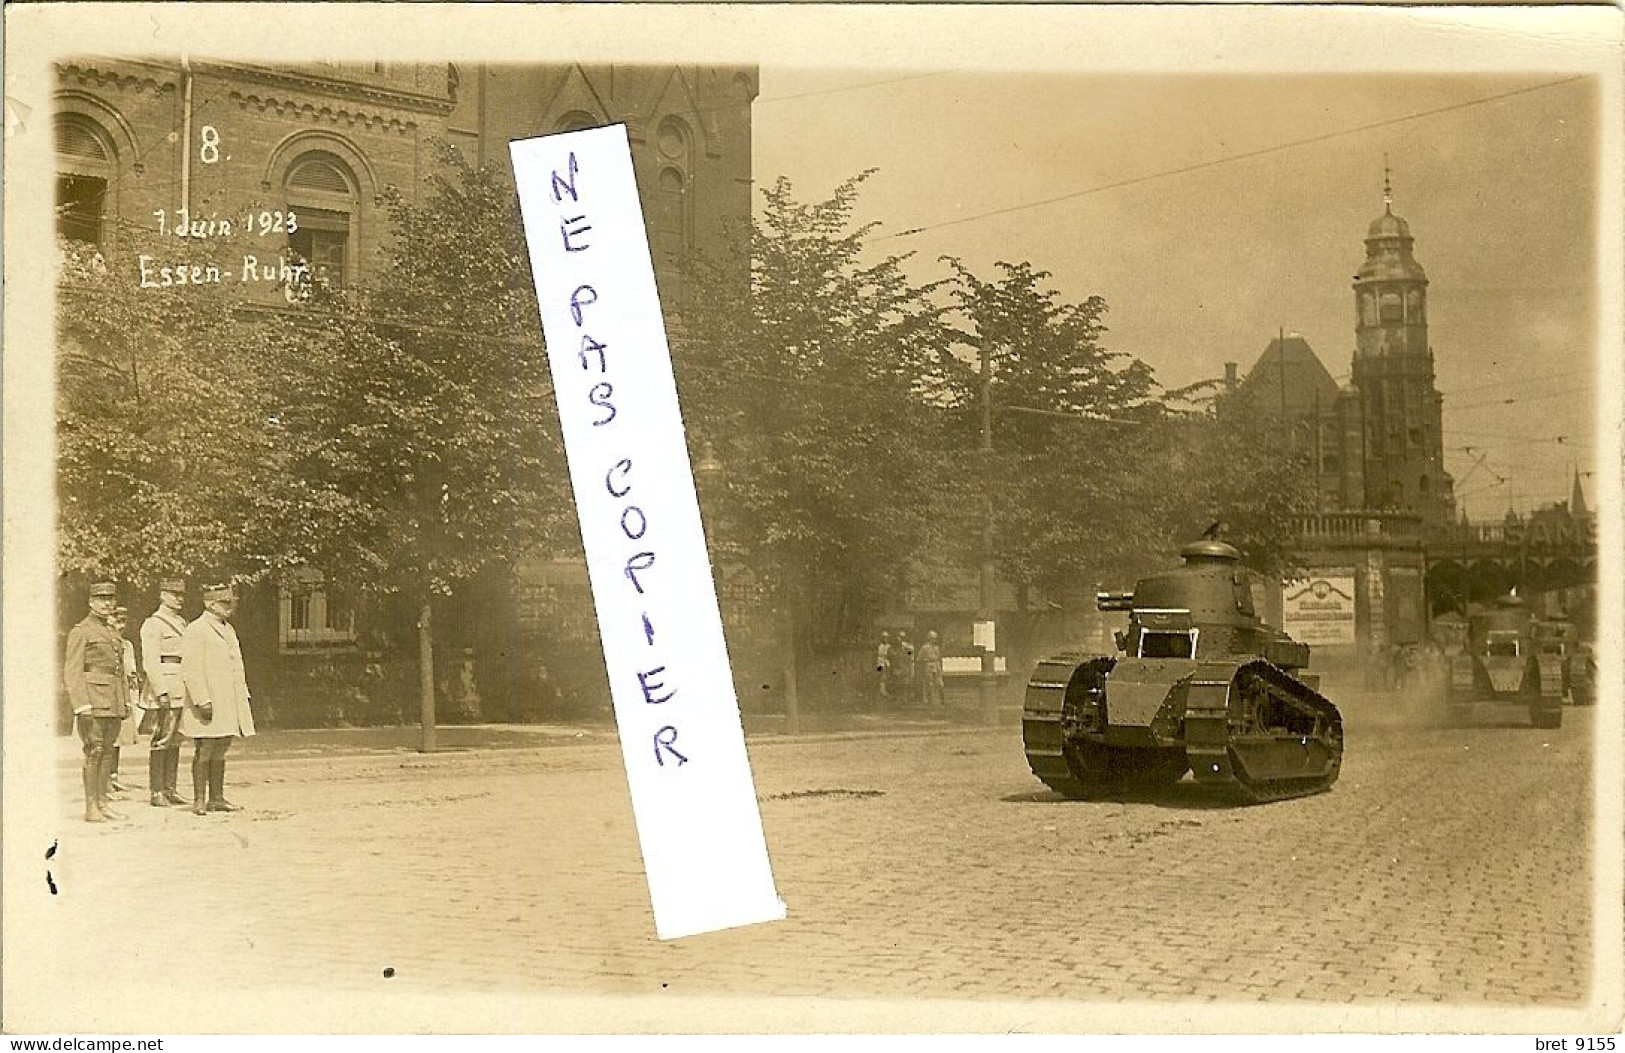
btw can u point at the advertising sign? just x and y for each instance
(1319, 610)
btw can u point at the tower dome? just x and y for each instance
(1388, 225)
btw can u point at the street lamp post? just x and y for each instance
(987, 687)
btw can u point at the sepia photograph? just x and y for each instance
(674, 518)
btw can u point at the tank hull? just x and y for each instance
(1491, 689)
(1096, 726)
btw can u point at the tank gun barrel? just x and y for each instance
(1114, 601)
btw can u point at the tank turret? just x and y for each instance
(1200, 684)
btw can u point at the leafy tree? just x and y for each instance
(418, 410)
(1248, 473)
(168, 460)
(808, 385)
(1067, 416)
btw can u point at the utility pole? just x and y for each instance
(987, 682)
(1318, 453)
(426, 675)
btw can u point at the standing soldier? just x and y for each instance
(883, 666)
(93, 670)
(217, 704)
(132, 698)
(166, 690)
(929, 667)
(902, 667)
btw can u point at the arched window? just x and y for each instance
(321, 193)
(673, 207)
(576, 120)
(87, 168)
(1393, 308)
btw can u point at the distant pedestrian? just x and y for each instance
(93, 671)
(165, 691)
(217, 701)
(928, 665)
(902, 667)
(883, 655)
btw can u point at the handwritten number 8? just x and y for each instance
(211, 145)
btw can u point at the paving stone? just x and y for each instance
(1428, 874)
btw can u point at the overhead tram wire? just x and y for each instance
(1502, 383)
(1491, 438)
(1214, 163)
(847, 87)
(1519, 400)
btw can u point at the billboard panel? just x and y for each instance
(1319, 610)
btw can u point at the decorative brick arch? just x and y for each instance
(315, 140)
(104, 115)
(350, 223)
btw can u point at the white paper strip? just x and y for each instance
(681, 738)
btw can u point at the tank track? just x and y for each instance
(1045, 715)
(1252, 760)
(1246, 765)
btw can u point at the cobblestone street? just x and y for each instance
(1446, 866)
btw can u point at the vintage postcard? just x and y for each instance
(1054, 518)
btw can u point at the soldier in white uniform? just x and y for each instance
(166, 690)
(217, 704)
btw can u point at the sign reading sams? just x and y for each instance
(672, 688)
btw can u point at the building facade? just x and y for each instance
(1377, 442)
(269, 179)
(1377, 446)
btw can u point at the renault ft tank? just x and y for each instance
(1566, 664)
(1200, 685)
(1501, 667)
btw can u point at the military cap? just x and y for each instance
(172, 585)
(211, 593)
(104, 588)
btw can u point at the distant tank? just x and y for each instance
(1565, 659)
(1502, 667)
(1200, 685)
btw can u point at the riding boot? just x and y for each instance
(200, 781)
(91, 776)
(113, 785)
(217, 786)
(155, 779)
(106, 776)
(172, 763)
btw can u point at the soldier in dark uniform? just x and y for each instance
(166, 690)
(95, 676)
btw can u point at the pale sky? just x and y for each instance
(1203, 266)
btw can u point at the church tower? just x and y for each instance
(1403, 457)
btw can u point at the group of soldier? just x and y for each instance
(188, 684)
(908, 676)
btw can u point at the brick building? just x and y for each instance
(229, 152)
